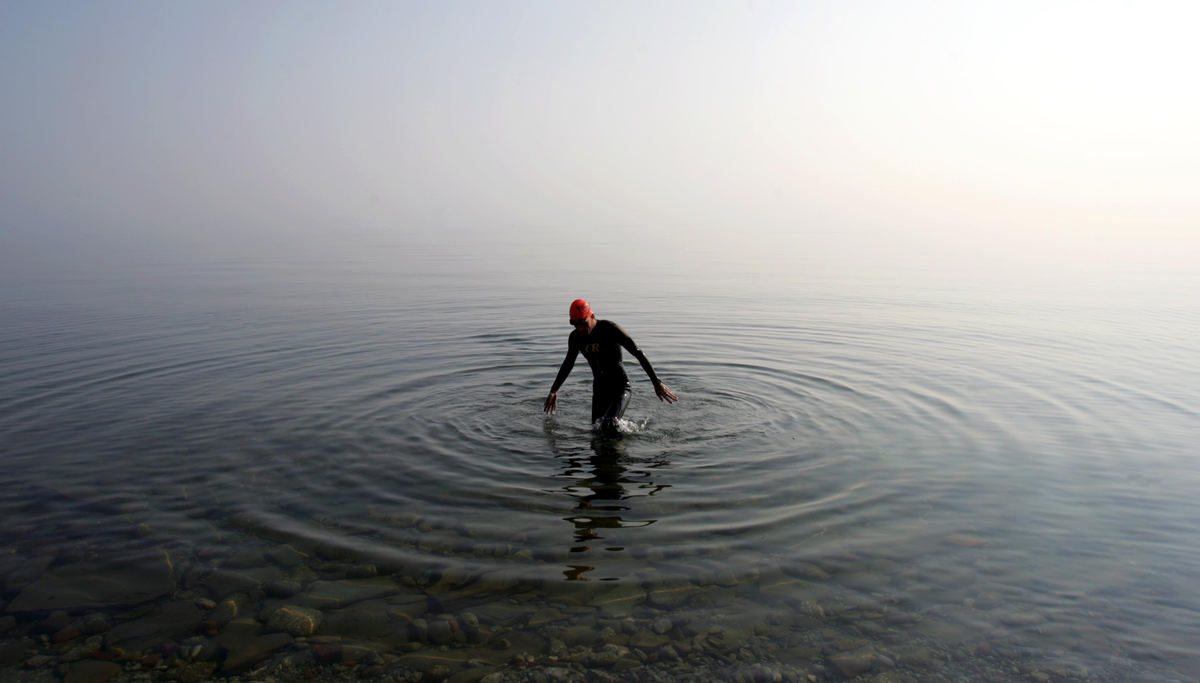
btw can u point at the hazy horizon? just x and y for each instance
(1061, 131)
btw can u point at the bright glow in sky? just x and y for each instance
(1050, 127)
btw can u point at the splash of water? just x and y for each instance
(622, 426)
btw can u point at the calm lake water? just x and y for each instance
(925, 473)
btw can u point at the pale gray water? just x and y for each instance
(998, 469)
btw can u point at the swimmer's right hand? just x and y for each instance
(551, 404)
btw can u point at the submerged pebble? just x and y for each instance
(282, 588)
(295, 620)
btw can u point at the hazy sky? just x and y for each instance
(1044, 126)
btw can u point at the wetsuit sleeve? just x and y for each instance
(567, 364)
(627, 342)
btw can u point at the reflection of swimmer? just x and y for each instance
(600, 508)
(600, 341)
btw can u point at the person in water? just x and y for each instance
(600, 341)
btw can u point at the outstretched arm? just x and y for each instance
(551, 403)
(661, 390)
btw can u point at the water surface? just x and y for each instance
(1000, 470)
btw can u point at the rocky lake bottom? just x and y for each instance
(280, 609)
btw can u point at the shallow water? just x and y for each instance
(1001, 472)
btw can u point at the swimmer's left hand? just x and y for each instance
(664, 394)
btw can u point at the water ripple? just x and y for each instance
(894, 446)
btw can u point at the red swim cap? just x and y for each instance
(579, 311)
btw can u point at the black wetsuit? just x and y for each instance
(610, 384)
